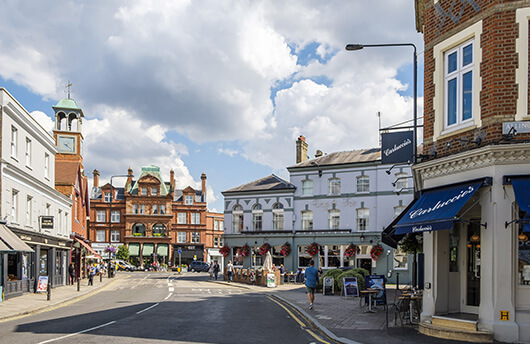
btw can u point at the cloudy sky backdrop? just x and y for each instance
(220, 87)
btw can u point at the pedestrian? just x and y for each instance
(215, 269)
(71, 273)
(311, 280)
(210, 270)
(91, 274)
(229, 271)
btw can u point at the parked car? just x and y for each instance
(199, 266)
(122, 265)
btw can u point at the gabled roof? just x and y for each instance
(341, 158)
(269, 183)
(153, 171)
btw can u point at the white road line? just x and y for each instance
(73, 334)
(148, 308)
(167, 297)
(147, 276)
(171, 289)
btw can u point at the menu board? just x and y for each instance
(351, 287)
(327, 286)
(42, 286)
(377, 282)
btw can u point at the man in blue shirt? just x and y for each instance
(311, 280)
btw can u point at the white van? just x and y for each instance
(122, 265)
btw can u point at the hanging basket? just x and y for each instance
(350, 251)
(376, 251)
(312, 249)
(225, 250)
(286, 249)
(264, 249)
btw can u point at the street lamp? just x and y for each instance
(110, 213)
(354, 47)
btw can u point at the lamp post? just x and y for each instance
(110, 214)
(354, 47)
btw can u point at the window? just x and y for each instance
(458, 84)
(114, 235)
(159, 230)
(107, 197)
(307, 220)
(181, 237)
(221, 225)
(46, 166)
(47, 211)
(400, 259)
(101, 216)
(195, 237)
(398, 210)
(307, 187)
(138, 229)
(188, 199)
(154, 191)
(215, 225)
(155, 208)
(363, 184)
(59, 221)
(135, 208)
(142, 208)
(257, 218)
(144, 191)
(100, 235)
(162, 209)
(115, 216)
(401, 181)
(362, 219)
(334, 186)
(215, 241)
(28, 152)
(181, 218)
(277, 217)
(237, 219)
(195, 218)
(334, 219)
(14, 139)
(28, 210)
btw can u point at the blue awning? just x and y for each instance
(436, 209)
(521, 189)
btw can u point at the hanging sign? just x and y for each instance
(397, 147)
(46, 222)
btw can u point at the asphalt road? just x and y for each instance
(166, 307)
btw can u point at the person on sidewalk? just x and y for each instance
(311, 280)
(71, 273)
(91, 274)
(229, 271)
(215, 269)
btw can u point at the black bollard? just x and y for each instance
(78, 284)
(49, 291)
(101, 277)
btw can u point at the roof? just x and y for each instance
(153, 171)
(341, 158)
(269, 183)
(68, 103)
(66, 172)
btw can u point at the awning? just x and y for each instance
(11, 242)
(437, 208)
(521, 189)
(88, 247)
(162, 250)
(148, 249)
(389, 236)
(134, 249)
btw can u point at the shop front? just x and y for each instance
(14, 263)
(144, 251)
(189, 253)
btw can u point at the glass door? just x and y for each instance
(473, 265)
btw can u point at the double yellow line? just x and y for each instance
(300, 322)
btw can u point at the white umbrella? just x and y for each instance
(267, 264)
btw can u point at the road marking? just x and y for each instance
(148, 308)
(147, 276)
(172, 289)
(167, 297)
(73, 334)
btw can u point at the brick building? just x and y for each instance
(152, 217)
(474, 184)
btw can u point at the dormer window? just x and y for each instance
(154, 191)
(144, 191)
(107, 197)
(188, 199)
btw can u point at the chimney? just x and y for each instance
(96, 178)
(129, 175)
(203, 191)
(172, 179)
(301, 150)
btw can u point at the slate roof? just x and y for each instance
(271, 182)
(342, 158)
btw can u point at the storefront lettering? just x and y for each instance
(389, 151)
(421, 228)
(25, 237)
(440, 204)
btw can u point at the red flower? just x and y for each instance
(286, 249)
(312, 249)
(264, 249)
(376, 251)
(225, 250)
(350, 251)
(245, 250)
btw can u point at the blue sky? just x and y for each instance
(216, 87)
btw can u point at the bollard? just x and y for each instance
(101, 277)
(49, 291)
(78, 284)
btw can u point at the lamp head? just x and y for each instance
(352, 47)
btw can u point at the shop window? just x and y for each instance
(524, 251)
(236, 254)
(43, 263)
(400, 260)
(330, 256)
(303, 257)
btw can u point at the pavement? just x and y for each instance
(344, 320)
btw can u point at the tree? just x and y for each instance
(123, 252)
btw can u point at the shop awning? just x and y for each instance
(134, 249)
(389, 236)
(437, 208)
(148, 249)
(521, 189)
(11, 242)
(88, 247)
(162, 250)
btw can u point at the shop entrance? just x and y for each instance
(365, 264)
(473, 265)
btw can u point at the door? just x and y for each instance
(470, 276)
(365, 264)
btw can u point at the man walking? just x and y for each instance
(229, 271)
(311, 280)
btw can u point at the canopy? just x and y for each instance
(521, 189)
(9, 241)
(267, 264)
(88, 247)
(161, 250)
(148, 249)
(134, 249)
(436, 209)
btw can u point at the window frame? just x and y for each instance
(113, 217)
(257, 217)
(363, 220)
(113, 236)
(27, 152)
(334, 219)
(363, 184)
(307, 187)
(179, 237)
(99, 237)
(188, 199)
(195, 237)
(237, 219)
(307, 220)
(334, 186)
(14, 142)
(100, 217)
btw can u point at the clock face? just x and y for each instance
(66, 144)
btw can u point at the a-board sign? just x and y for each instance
(350, 286)
(327, 286)
(42, 286)
(377, 282)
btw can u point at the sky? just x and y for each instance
(213, 86)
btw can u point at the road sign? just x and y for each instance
(179, 251)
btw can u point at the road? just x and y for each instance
(166, 307)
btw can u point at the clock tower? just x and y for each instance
(67, 132)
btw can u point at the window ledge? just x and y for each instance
(456, 130)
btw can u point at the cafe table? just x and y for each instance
(291, 278)
(370, 292)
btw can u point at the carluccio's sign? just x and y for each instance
(397, 147)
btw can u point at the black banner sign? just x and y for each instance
(46, 222)
(397, 147)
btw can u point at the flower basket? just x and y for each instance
(286, 249)
(376, 251)
(264, 248)
(411, 243)
(245, 250)
(350, 251)
(312, 249)
(110, 249)
(225, 250)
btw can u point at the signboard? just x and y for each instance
(179, 251)
(504, 315)
(377, 282)
(271, 280)
(327, 286)
(46, 222)
(520, 127)
(42, 286)
(397, 147)
(350, 286)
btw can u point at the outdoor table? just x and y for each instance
(370, 292)
(414, 305)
